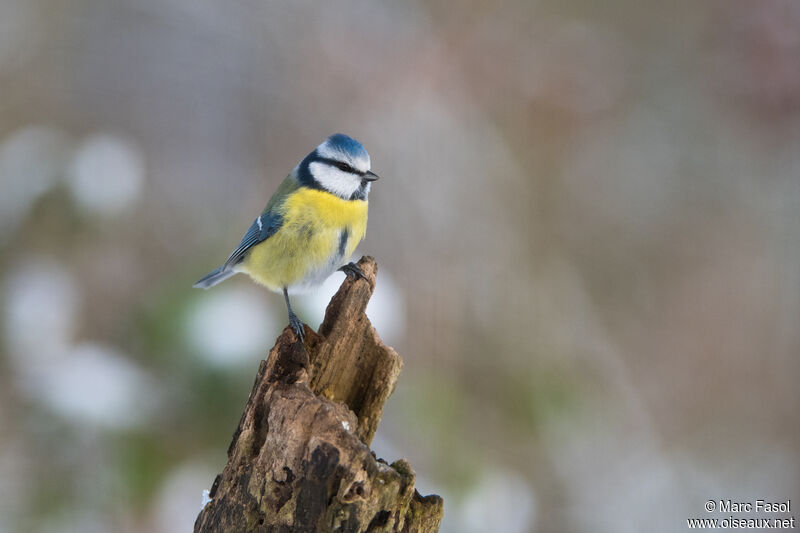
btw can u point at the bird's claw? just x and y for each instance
(352, 269)
(297, 326)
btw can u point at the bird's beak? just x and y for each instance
(370, 176)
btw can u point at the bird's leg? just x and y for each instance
(352, 269)
(295, 323)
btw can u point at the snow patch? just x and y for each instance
(206, 498)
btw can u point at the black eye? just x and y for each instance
(344, 166)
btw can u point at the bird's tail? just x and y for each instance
(215, 276)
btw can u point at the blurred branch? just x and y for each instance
(300, 458)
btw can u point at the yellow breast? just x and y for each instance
(310, 244)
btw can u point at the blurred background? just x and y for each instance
(588, 231)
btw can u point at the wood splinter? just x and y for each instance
(300, 459)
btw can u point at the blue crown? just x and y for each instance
(347, 145)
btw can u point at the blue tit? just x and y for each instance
(310, 227)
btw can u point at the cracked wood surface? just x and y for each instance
(300, 460)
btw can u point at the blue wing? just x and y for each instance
(262, 229)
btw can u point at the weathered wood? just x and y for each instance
(299, 460)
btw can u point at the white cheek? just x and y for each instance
(332, 179)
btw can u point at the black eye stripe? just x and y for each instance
(341, 165)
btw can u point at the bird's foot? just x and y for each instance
(297, 326)
(352, 269)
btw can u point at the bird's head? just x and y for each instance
(340, 166)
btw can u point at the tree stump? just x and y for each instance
(300, 458)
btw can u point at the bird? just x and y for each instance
(310, 226)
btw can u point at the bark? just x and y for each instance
(300, 458)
